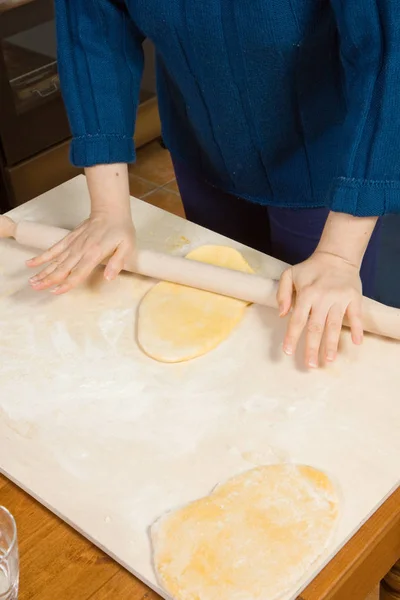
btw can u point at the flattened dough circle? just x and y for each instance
(177, 323)
(253, 538)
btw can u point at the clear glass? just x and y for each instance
(9, 561)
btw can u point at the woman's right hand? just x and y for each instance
(107, 235)
(73, 259)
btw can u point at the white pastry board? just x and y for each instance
(110, 439)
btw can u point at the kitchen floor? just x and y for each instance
(152, 178)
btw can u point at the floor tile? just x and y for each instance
(138, 187)
(172, 185)
(154, 164)
(373, 595)
(167, 200)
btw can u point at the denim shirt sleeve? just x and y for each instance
(100, 63)
(368, 182)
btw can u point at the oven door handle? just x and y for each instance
(52, 89)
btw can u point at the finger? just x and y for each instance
(297, 323)
(37, 283)
(78, 274)
(354, 315)
(116, 263)
(284, 295)
(54, 251)
(36, 279)
(59, 273)
(315, 330)
(333, 328)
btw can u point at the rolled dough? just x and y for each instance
(177, 323)
(253, 538)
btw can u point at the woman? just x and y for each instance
(282, 119)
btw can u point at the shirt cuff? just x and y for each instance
(364, 197)
(100, 149)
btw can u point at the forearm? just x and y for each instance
(100, 43)
(108, 187)
(347, 236)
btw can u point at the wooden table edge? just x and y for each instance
(364, 560)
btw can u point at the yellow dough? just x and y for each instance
(253, 538)
(177, 323)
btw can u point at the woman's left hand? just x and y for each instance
(321, 291)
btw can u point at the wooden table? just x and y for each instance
(57, 562)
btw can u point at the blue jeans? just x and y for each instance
(288, 234)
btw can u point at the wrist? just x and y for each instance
(335, 259)
(350, 256)
(119, 204)
(109, 189)
(346, 237)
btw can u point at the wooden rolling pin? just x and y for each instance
(377, 318)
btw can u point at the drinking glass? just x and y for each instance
(9, 562)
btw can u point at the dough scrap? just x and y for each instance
(253, 538)
(178, 323)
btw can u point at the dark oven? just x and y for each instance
(32, 115)
(34, 132)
